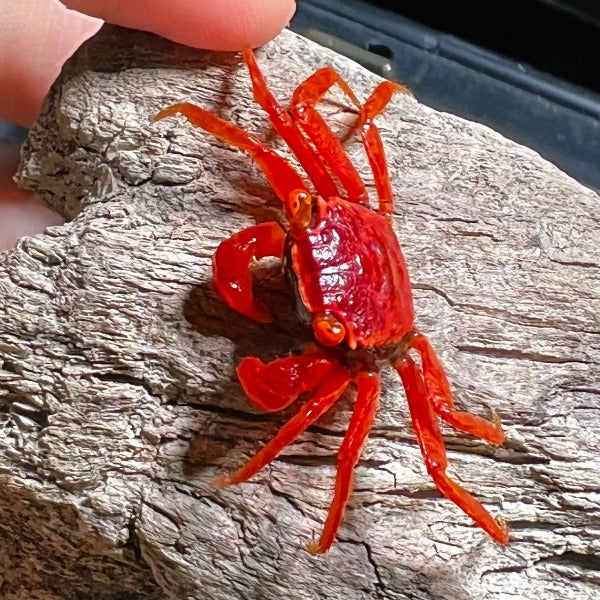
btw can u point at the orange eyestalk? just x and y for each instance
(328, 330)
(298, 209)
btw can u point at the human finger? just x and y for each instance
(223, 25)
(36, 37)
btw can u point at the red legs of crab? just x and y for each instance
(307, 94)
(284, 125)
(433, 449)
(231, 267)
(328, 385)
(374, 105)
(438, 390)
(302, 108)
(282, 177)
(350, 450)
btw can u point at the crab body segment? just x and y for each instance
(349, 264)
(352, 289)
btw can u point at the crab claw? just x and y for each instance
(231, 267)
(326, 380)
(275, 385)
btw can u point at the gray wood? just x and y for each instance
(118, 397)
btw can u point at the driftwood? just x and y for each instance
(118, 397)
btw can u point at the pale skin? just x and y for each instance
(38, 36)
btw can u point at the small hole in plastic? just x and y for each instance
(380, 50)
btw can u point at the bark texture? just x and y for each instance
(118, 396)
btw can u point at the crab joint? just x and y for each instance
(328, 330)
(298, 209)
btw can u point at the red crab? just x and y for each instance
(352, 288)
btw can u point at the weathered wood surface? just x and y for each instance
(118, 398)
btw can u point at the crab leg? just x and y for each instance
(350, 450)
(325, 396)
(302, 108)
(438, 391)
(282, 177)
(284, 125)
(434, 452)
(231, 266)
(374, 105)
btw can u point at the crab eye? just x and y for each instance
(298, 207)
(295, 201)
(328, 330)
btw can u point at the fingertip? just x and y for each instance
(228, 25)
(36, 38)
(235, 24)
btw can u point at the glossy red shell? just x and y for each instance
(350, 264)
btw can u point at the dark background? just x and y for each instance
(529, 69)
(560, 38)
